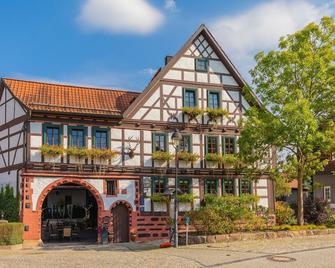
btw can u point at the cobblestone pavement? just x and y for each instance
(316, 251)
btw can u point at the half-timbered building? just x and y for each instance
(117, 193)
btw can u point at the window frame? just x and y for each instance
(219, 93)
(324, 193)
(166, 143)
(216, 185)
(195, 90)
(189, 185)
(205, 60)
(70, 128)
(153, 179)
(223, 185)
(115, 182)
(60, 133)
(108, 137)
(190, 143)
(250, 186)
(217, 144)
(224, 144)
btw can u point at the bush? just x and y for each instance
(209, 220)
(284, 214)
(11, 233)
(287, 227)
(316, 211)
(9, 204)
(225, 214)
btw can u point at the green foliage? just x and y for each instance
(11, 233)
(159, 198)
(214, 114)
(188, 157)
(284, 214)
(48, 150)
(105, 154)
(217, 158)
(225, 214)
(297, 227)
(186, 198)
(163, 156)
(297, 85)
(9, 204)
(192, 112)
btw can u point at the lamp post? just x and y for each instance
(176, 139)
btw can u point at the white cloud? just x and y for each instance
(259, 28)
(148, 71)
(120, 16)
(170, 5)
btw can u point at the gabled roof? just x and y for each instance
(218, 50)
(48, 97)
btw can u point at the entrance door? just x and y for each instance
(120, 224)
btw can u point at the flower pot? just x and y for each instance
(133, 237)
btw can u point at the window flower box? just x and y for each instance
(192, 112)
(188, 157)
(215, 114)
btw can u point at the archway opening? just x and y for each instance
(69, 214)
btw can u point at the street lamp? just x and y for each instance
(176, 139)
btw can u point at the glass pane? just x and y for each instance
(213, 101)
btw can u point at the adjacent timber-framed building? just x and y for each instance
(117, 193)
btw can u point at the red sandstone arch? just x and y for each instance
(101, 213)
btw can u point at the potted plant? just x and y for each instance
(133, 234)
(160, 198)
(213, 157)
(215, 114)
(185, 198)
(187, 156)
(51, 150)
(192, 112)
(162, 156)
(230, 161)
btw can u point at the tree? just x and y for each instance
(9, 204)
(296, 85)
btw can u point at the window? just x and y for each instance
(212, 145)
(211, 186)
(101, 138)
(245, 187)
(158, 185)
(52, 134)
(213, 99)
(201, 65)
(184, 185)
(228, 186)
(229, 145)
(159, 142)
(186, 143)
(111, 187)
(77, 137)
(190, 97)
(327, 193)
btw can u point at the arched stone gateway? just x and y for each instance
(101, 213)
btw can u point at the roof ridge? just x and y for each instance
(71, 85)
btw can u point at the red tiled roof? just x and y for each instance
(41, 96)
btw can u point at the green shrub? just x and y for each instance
(284, 214)
(11, 233)
(9, 204)
(209, 221)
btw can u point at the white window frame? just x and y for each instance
(325, 188)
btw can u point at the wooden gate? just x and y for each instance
(120, 224)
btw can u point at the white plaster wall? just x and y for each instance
(8, 179)
(229, 80)
(173, 74)
(263, 202)
(216, 66)
(185, 63)
(262, 183)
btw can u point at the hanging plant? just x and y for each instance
(162, 156)
(159, 198)
(192, 112)
(185, 198)
(215, 114)
(51, 150)
(230, 159)
(212, 157)
(78, 152)
(188, 157)
(105, 154)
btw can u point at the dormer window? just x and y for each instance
(201, 65)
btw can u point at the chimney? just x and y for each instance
(167, 59)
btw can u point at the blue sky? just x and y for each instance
(119, 43)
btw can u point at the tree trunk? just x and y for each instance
(300, 198)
